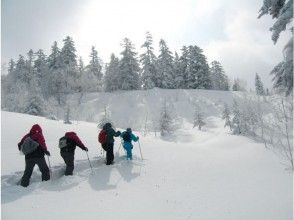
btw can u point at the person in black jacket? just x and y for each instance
(108, 145)
(67, 146)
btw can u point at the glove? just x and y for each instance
(47, 153)
(137, 137)
(119, 132)
(85, 149)
(19, 146)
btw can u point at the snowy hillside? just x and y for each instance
(203, 175)
(131, 108)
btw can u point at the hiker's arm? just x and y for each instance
(116, 134)
(41, 141)
(79, 142)
(134, 138)
(122, 134)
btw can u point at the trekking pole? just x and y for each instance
(140, 149)
(89, 161)
(50, 170)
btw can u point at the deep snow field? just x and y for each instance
(201, 175)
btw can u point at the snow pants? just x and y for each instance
(128, 147)
(68, 158)
(108, 147)
(30, 163)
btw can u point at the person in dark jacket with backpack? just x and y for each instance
(109, 142)
(67, 146)
(128, 137)
(37, 156)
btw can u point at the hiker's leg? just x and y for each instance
(128, 147)
(108, 155)
(69, 161)
(111, 153)
(41, 162)
(25, 180)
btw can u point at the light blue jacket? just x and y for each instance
(129, 144)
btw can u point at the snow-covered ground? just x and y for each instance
(203, 175)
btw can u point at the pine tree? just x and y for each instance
(41, 72)
(198, 119)
(166, 123)
(69, 66)
(165, 67)
(111, 79)
(148, 61)
(282, 11)
(35, 104)
(95, 64)
(129, 67)
(259, 85)
(197, 71)
(54, 59)
(68, 52)
(236, 121)
(179, 80)
(183, 68)
(105, 118)
(226, 115)
(218, 77)
(67, 116)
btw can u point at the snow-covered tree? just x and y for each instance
(226, 115)
(236, 121)
(259, 89)
(111, 79)
(197, 71)
(35, 104)
(68, 52)
(219, 79)
(69, 66)
(148, 61)
(128, 67)
(67, 115)
(41, 72)
(179, 78)
(95, 64)
(239, 85)
(198, 119)
(165, 67)
(166, 121)
(105, 118)
(282, 12)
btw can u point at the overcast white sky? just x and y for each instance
(227, 30)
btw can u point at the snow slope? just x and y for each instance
(132, 108)
(205, 175)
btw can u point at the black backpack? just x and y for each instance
(127, 137)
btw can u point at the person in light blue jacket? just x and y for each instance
(128, 137)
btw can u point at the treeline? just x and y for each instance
(38, 77)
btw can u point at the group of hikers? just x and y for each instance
(34, 147)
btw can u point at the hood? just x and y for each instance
(36, 129)
(70, 134)
(107, 126)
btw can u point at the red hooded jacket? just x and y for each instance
(73, 136)
(37, 135)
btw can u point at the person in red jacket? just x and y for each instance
(35, 157)
(67, 146)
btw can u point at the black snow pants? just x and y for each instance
(68, 158)
(108, 147)
(30, 163)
